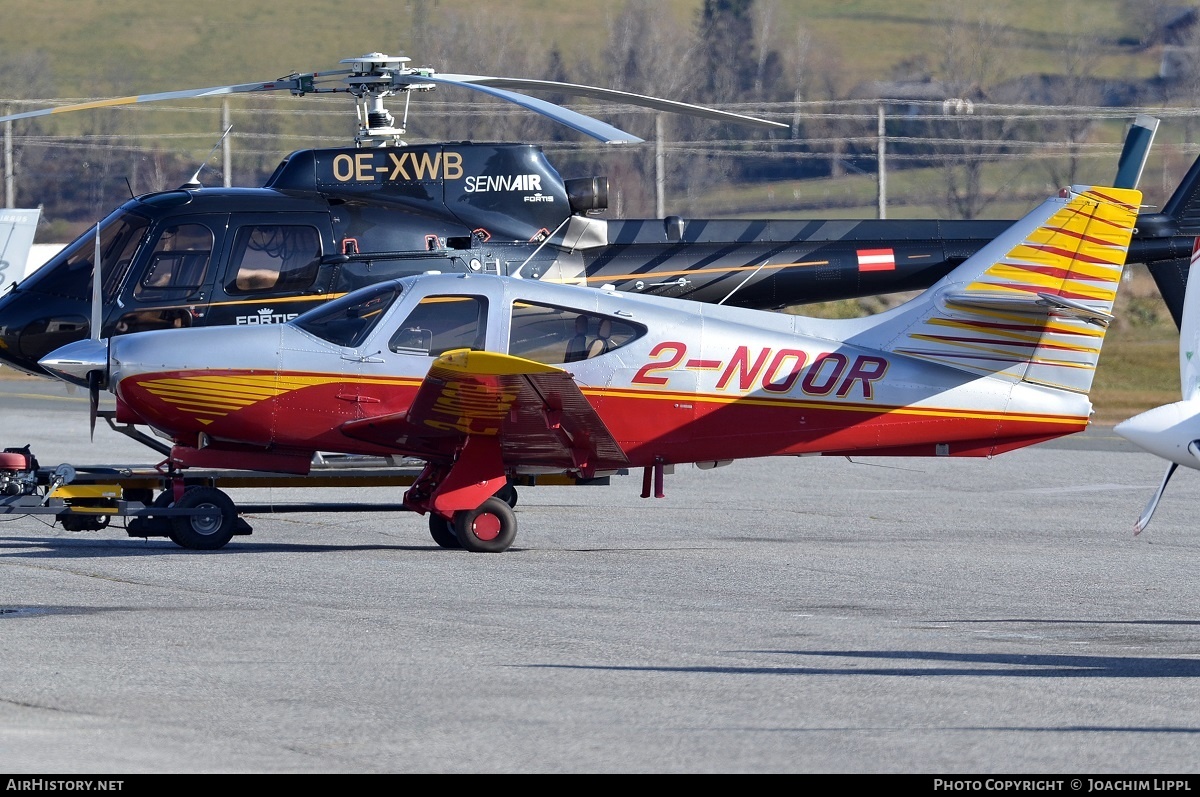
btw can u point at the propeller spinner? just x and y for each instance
(373, 77)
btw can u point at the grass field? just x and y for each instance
(135, 46)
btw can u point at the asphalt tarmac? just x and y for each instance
(801, 615)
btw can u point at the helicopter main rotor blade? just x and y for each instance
(572, 119)
(297, 84)
(612, 95)
(377, 75)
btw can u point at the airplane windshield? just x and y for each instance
(347, 321)
(69, 273)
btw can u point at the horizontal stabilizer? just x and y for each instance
(992, 300)
(1076, 309)
(1043, 304)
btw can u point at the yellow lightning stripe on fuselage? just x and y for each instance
(218, 395)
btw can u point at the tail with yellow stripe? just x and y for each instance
(1035, 303)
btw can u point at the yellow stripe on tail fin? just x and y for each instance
(1035, 303)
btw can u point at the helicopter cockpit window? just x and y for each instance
(440, 324)
(178, 264)
(347, 321)
(274, 257)
(554, 335)
(72, 278)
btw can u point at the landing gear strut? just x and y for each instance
(468, 499)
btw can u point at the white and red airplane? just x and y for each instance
(1172, 431)
(483, 377)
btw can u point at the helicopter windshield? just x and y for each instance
(69, 273)
(347, 321)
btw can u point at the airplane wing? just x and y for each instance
(537, 413)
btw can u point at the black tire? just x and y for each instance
(508, 494)
(83, 522)
(442, 531)
(206, 532)
(143, 495)
(489, 529)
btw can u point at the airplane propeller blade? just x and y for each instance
(97, 302)
(94, 379)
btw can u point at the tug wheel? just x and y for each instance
(490, 528)
(209, 530)
(84, 522)
(442, 531)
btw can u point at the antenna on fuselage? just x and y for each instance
(747, 279)
(194, 182)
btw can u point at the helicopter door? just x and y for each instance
(274, 269)
(171, 285)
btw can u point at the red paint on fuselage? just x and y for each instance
(650, 425)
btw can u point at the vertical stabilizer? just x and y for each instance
(1033, 304)
(1136, 151)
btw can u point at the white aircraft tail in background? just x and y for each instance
(1172, 431)
(17, 228)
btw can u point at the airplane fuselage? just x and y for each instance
(689, 384)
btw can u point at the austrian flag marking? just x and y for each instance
(876, 260)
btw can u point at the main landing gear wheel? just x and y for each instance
(210, 530)
(442, 531)
(489, 529)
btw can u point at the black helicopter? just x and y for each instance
(332, 220)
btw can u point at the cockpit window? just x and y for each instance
(72, 277)
(347, 321)
(440, 324)
(178, 264)
(274, 257)
(553, 335)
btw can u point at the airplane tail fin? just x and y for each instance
(17, 231)
(1034, 304)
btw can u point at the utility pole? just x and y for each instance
(659, 188)
(10, 183)
(882, 146)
